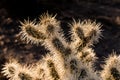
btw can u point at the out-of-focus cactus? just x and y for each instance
(111, 69)
(15, 71)
(66, 60)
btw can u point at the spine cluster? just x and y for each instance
(73, 60)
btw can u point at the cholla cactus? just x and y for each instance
(111, 69)
(14, 71)
(66, 60)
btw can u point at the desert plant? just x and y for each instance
(66, 60)
(111, 69)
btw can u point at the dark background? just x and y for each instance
(107, 12)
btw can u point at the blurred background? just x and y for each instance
(106, 12)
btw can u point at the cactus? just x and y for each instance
(73, 60)
(111, 69)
